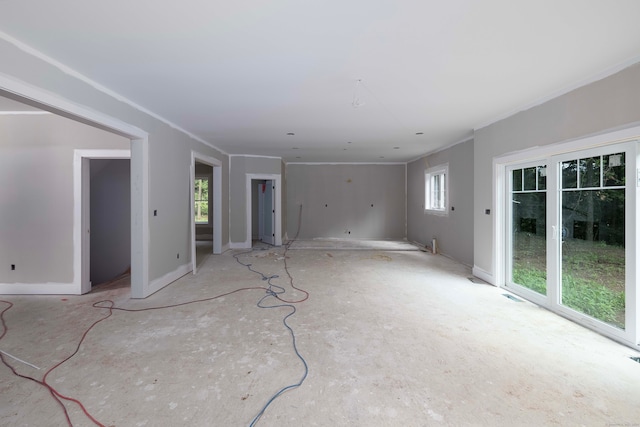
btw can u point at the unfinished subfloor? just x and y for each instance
(391, 338)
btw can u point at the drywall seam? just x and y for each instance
(73, 73)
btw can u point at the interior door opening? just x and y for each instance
(110, 220)
(203, 211)
(263, 211)
(205, 208)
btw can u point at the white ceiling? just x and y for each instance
(241, 74)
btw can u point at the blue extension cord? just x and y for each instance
(273, 293)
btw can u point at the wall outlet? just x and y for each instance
(13, 267)
(178, 256)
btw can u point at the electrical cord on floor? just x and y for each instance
(275, 291)
(272, 291)
(100, 304)
(56, 395)
(286, 266)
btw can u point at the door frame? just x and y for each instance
(82, 203)
(630, 336)
(555, 298)
(263, 209)
(276, 178)
(139, 186)
(217, 203)
(508, 210)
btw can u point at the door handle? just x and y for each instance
(554, 232)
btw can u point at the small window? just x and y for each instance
(436, 182)
(201, 198)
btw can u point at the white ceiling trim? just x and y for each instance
(578, 84)
(254, 155)
(348, 163)
(23, 113)
(73, 73)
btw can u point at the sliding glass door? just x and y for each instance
(568, 219)
(592, 243)
(527, 231)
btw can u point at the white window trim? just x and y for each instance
(428, 173)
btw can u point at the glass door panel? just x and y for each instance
(527, 228)
(592, 248)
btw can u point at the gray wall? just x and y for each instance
(110, 219)
(454, 231)
(610, 103)
(348, 191)
(169, 157)
(36, 195)
(240, 167)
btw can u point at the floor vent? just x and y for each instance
(635, 359)
(511, 297)
(476, 280)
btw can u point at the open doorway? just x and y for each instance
(206, 208)
(263, 206)
(110, 220)
(263, 211)
(203, 207)
(138, 149)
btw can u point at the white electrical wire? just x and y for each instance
(19, 360)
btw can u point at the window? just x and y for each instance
(436, 189)
(201, 198)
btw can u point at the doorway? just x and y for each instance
(271, 214)
(206, 208)
(264, 216)
(570, 236)
(110, 220)
(116, 249)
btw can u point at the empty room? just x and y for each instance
(388, 213)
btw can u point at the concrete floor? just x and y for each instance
(391, 338)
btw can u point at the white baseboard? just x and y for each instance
(39, 289)
(239, 245)
(225, 248)
(159, 283)
(482, 274)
